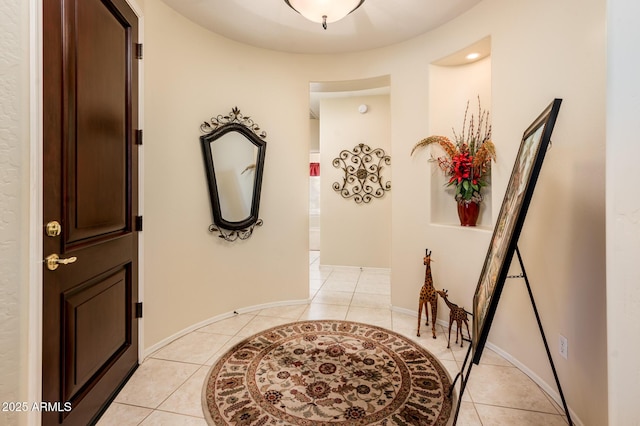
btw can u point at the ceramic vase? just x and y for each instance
(468, 212)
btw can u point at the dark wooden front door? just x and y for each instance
(90, 116)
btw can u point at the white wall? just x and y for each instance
(623, 219)
(14, 202)
(354, 234)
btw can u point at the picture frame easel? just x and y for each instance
(533, 147)
(504, 245)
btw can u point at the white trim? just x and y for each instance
(404, 311)
(34, 333)
(413, 313)
(220, 317)
(138, 11)
(347, 268)
(550, 390)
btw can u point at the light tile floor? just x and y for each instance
(166, 388)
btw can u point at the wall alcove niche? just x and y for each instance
(453, 81)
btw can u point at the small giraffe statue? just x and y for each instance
(428, 294)
(457, 314)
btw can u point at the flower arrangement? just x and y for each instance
(468, 160)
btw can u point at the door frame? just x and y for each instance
(34, 315)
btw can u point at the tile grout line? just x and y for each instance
(329, 272)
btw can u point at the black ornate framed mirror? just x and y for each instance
(234, 148)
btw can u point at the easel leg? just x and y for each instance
(464, 364)
(463, 383)
(544, 338)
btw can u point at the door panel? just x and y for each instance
(97, 189)
(96, 327)
(90, 333)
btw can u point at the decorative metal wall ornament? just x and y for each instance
(235, 116)
(241, 234)
(234, 148)
(362, 180)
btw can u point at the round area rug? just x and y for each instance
(327, 373)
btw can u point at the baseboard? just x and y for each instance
(351, 268)
(415, 314)
(539, 381)
(164, 342)
(550, 390)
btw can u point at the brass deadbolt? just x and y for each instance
(53, 228)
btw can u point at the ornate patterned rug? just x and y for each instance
(327, 373)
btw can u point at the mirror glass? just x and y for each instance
(234, 161)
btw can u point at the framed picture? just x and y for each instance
(526, 169)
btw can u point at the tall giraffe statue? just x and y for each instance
(457, 314)
(428, 294)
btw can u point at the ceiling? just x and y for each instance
(271, 24)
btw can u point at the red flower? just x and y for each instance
(461, 167)
(468, 159)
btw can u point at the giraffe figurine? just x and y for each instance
(428, 294)
(457, 314)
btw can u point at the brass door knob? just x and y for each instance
(53, 261)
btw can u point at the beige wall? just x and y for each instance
(354, 234)
(565, 264)
(450, 89)
(314, 139)
(191, 276)
(540, 50)
(530, 67)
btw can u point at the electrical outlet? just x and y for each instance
(564, 347)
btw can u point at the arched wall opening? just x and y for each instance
(349, 113)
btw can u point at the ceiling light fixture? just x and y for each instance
(472, 56)
(324, 11)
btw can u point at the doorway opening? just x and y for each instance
(342, 115)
